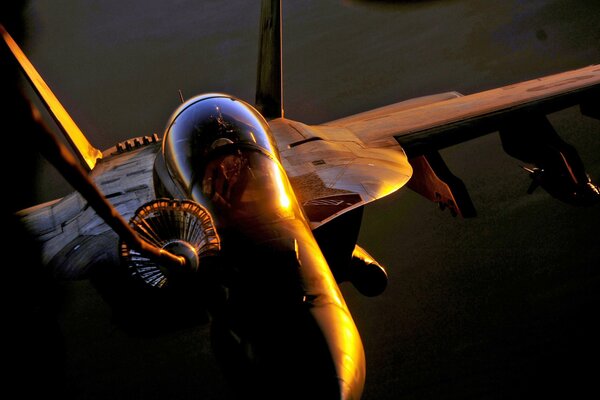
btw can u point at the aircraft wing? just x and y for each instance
(332, 171)
(343, 164)
(434, 126)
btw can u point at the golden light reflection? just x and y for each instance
(284, 199)
(85, 151)
(344, 344)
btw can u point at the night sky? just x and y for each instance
(502, 305)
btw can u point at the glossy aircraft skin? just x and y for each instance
(318, 176)
(268, 253)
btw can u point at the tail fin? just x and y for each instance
(87, 154)
(269, 82)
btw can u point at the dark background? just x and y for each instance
(503, 305)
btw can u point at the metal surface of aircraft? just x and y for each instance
(254, 217)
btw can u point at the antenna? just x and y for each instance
(181, 96)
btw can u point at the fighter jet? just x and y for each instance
(251, 218)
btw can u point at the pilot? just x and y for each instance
(226, 177)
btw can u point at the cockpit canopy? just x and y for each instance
(205, 123)
(219, 152)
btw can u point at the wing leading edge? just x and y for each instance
(445, 123)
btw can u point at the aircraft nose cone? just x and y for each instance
(297, 354)
(345, 347)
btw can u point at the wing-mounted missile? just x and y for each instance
(555, 165)
(563, 186)
(184, 228)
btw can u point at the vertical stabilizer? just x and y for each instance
(269, 83)
(88, 155)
